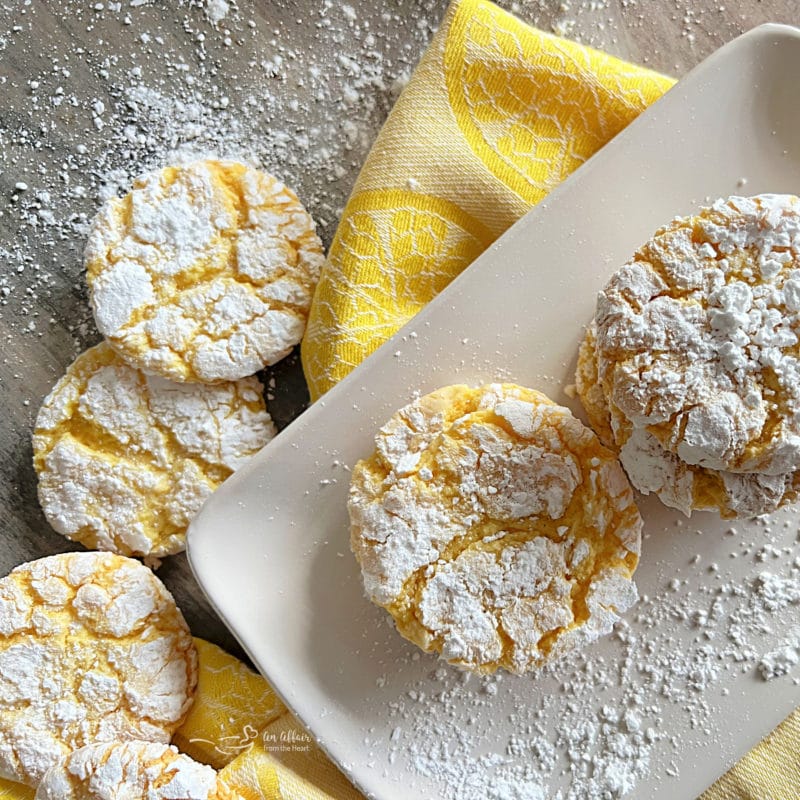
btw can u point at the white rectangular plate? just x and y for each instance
(270, 548)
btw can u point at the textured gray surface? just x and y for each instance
(92, 94)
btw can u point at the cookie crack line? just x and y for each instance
(143, 315)
(98, 441)
(416, 585)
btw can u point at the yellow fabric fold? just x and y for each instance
(495, 115)
(282, 765)
(239, 726)
(233, 705)
(9, 790)
(770, 771)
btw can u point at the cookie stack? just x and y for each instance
(97, 671)
(199, 277)
(691, 369)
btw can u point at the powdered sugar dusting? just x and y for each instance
(524, 587)
(654, 469)
(132, 769)
(592, 726)
(203, 272)
(93, 649)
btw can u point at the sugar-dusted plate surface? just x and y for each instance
(270, 548)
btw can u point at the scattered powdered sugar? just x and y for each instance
(782, 660)
(604, 751)
(776, 592)
(217, 10)
(592, 726)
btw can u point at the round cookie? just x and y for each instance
(125, 460)
(92, 648)
(135, 769)
(203, 272)
(494, 528)
(652, 469)
(698, 336)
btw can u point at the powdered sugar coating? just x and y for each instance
(134, 769)
(92, 648)
(653, 469)
(204, 272)
(125, 460)
(490, 523)
(781, 661)
(699, 336)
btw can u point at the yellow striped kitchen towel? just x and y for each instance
(495, 116)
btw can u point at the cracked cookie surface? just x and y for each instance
(92, 648)
(134, 769)
(494, 527)
(698, 336)
(125, 460)
(653, 469)
(203, 272)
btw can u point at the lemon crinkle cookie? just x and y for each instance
(494, 528)
(92, 648)
(204, 272)
(653, 469)
(125, 460)
(133, 769)
(698, 336)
